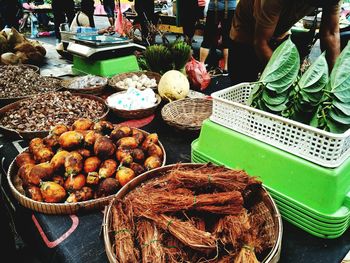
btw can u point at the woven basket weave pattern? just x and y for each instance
(187, 114)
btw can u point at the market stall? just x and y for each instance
(70, 135)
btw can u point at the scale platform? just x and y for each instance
(103, 55)
(314, 198)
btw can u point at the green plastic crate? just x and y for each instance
(319, 197)
(104, 68)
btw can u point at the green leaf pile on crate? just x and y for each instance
(313, 97)
(162, 58)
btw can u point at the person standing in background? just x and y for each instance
(83, 17)
(187, 11)
(260, 26)
(145, 13)
(63, 11)
(9, 13)
(109, 7)
(219, 12)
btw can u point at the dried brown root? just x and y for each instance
(208, 175)
(125, 249)
(231, 229)
(185, 232)
(159, 201)
(246, 255)
(150, 241)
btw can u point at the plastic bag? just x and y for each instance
(197, 74)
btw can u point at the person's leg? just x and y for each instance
(225, 30)
(243, 63)
(209, 36)
(69, 10)
(58, 17)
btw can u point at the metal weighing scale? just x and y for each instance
(103, 55)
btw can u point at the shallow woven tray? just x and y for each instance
(113, 80)
(134, 114)
(272, 257)
(40, 133)
(95, 90)
(57, 208)
(188, 113)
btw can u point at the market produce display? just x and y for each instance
(15, 48)
(42, 112)
(20, 81)
(86, 160)
(139, 82)
(86, 82)
(191, 214)
(313, 97)
(132, 99)
(137, 79)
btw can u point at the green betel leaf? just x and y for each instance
(340, 77)
(273, 98)
(339, 117)
(254, 93)
(285, 82)
(316, 76)
(335, 127)
(340, 72)
(320, 85)
(281, 62)
(276, 108)
(343, 107)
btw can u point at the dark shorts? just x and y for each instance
(109, 8)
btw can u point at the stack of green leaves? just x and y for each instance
(162, 58)
(308, 91)
(271, 92)
(157, 58)
(181, 53)
(334, 113)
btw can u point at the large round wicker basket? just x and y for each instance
(187, 114)
(272, 257)
(17, 190)
(95, 90)
(115, 79)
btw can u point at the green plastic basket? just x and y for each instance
(311, 196)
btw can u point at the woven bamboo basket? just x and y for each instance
(134, 114)
(94, 90)
(115, 79)
(17, 190)
(272, 257)
(40, 133)
(187, 114)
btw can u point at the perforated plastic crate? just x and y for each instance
(318, 146)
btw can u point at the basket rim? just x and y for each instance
(274, 252)
(72, 206)
(215, 96)
(172, 121)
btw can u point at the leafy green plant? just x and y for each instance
(158, 58)
(162, 58)
(271, 91)
(308, 91)
(181, 53)
(334, 112)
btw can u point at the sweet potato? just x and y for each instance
(52, 192)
